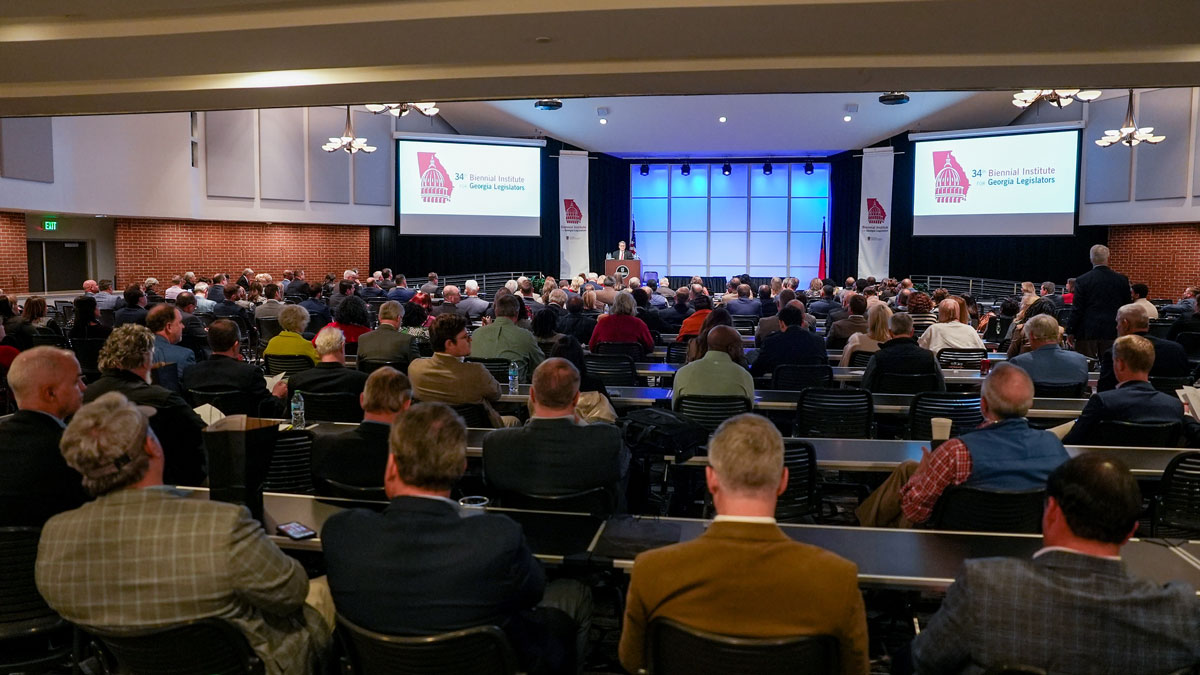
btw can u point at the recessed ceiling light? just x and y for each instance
(847, 118)
(722, 119)
(603, 121)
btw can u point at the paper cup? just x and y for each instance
(941, 428)
(474, 502)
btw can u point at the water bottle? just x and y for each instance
(297, 411)
(514, 377)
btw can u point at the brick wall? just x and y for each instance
(162, 248)
(14, 269)
(1164, 257)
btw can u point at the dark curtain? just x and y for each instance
(608, 207)
(845, 189)
(420, 254)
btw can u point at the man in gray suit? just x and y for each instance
(387, 343)
(203, 558)
(1073, 608)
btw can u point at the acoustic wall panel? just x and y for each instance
(1107, 169)
(281, 153)
(229, 153)
(1162, 168)
(27, 148)
(373, 172)
(328, 172)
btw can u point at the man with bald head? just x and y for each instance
(36, 483)
(1169, 358)
(1002, 454)
(769, 325)
(716, 373)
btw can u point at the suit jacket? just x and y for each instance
(793, 346)
(165, 352)
(223, 373)
(1061, 611)
(1169, 361)
(422, 566)
(652, 320)
(327, 377)
(673, 316)
(36, 482)
(269, 310)
(401, 294)
(744, 307)
(195, 336)
(1098, 295)
(385, 344)
(357, 456)
(177, 426)
(318, 308)
(902, 356)
(129, 315)
(842, 329)
(750, 580)
(554, 457)
(1051, 364)
(1134, 401)
(447, 379)
(821, 308)
(579, 325)
(211, 559)
(472, 306)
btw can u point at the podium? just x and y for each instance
(628, 268)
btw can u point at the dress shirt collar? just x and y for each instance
(1135, 384)
(761, 520)
(1047, 347)
(1064, 549)
(716, 355)
(438, 498)
(43, 412)
(444, 355)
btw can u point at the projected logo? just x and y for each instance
(875, 213)
(574, 215)
(436, 187)
(951, 184)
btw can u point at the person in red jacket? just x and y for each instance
(622, 326)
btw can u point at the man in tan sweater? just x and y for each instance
(744, 577)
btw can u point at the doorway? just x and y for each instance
(67, 259)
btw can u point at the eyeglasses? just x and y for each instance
(465, 336)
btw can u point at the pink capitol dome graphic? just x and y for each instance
(951, 184)
(875, 212)
(573, 214)
(436, 186)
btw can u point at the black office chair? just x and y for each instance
(1137, 434)
(483, 650)
(1191, 344)
(710, 411)
(423, 348)
(905, 383)
(1079, 390)
(1177, 507)
(291, 464)
(268, 327)
(794, 377)
(745, 321)
(961, 359)
(677, 352)
(598, 501)
(1161, 328)
(331, 407)
(971, 509)
(633, 350)
(1170, 385)
(49, 339)
(614, 370)
(962, 409)
(228, 401)
(474, 415)
(371, 365)
(291, 365)
(800, 498)
(835, 413)
(315, 323)
(107, 317)
(201, 647)
(87, 352)
(327, 487)
(860, 359)
(997, 328)
(32, 636)
(672, 648)
(497, 367)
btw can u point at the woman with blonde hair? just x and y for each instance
(876, 335)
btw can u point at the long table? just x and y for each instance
(905, 559)
(848, 375)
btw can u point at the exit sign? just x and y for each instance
(49, 225)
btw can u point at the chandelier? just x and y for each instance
(401, 109)
(1059, 98)
(347, 141)
(1129, 133)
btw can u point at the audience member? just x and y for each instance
(90, 287)
(125, 362)
(576, 323)
(593, 404)
(195, 335)
(701, 305)
(352, 318)
(1187, 302)
(622, 326)
(401, 293)
(504, 339)
(1072, 608)
(446, 378)
(211, 559)
(430, 287)
(744, 576)
(414, 320)
(743, 304)
(697, 347)
(371, 289)
(1098, 295)
(716, 373)
(870, 340)
(950, 332)
(1140, 294)
(1048, 292)
(450, 299)
(203, 304)
(226, 371)
(387, 343)
(175, 288)
(87, 320)
(134, 310)
(316, 307)
(1170, 360)
(472, 306)
(900, 355)
(36, 483)
(230, 306)
(1002, 454)
(793, 345)
(821, 307)
(647, 314)
(166, 322)
(1046, 362)
(1018, 343)
(271, 306)
(920, 308)
(289, 341)
(330, 375)
(679, 309)
(357, 457)
(105, 298)
(855, 322)
(345, 289)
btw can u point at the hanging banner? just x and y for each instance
(875, 213)
(572, 212)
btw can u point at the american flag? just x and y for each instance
(633, 235)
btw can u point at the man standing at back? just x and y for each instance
(1074, 608)
(1098, 295)
(743, 576)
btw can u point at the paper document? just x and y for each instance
(209, 414)
(273, 380)
(1191, 400)
(1062, 430)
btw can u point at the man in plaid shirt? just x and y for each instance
(1002, 454)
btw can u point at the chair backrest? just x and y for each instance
(497, 367)
(614, 370)
(331, 407)
(1190, 343)
(51, 340)
(1179, 499)
(228, 401)
(967, 359)
(316, 322)
(962, 409)
(794, 377)
(710, 411)
(1170, 385)
(87, 351)
(474, 415)
(1079, 390)
(22, 609)
(422, 347)
(906, 383)
(631, 349)
(268, 327)
(672, 647)
(371, 365)
(745, 321)
(1138, 434)
(997, 328)
(291, 365)
(1064, 314)
(327, 487)
(107, 317)
(677, 352)
(860, 359)
(974, 510)
(1161, 328)
(483, 650)
(598, 501)
(800, 498)
(201, 647)
(291, 463)
(834, 413)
